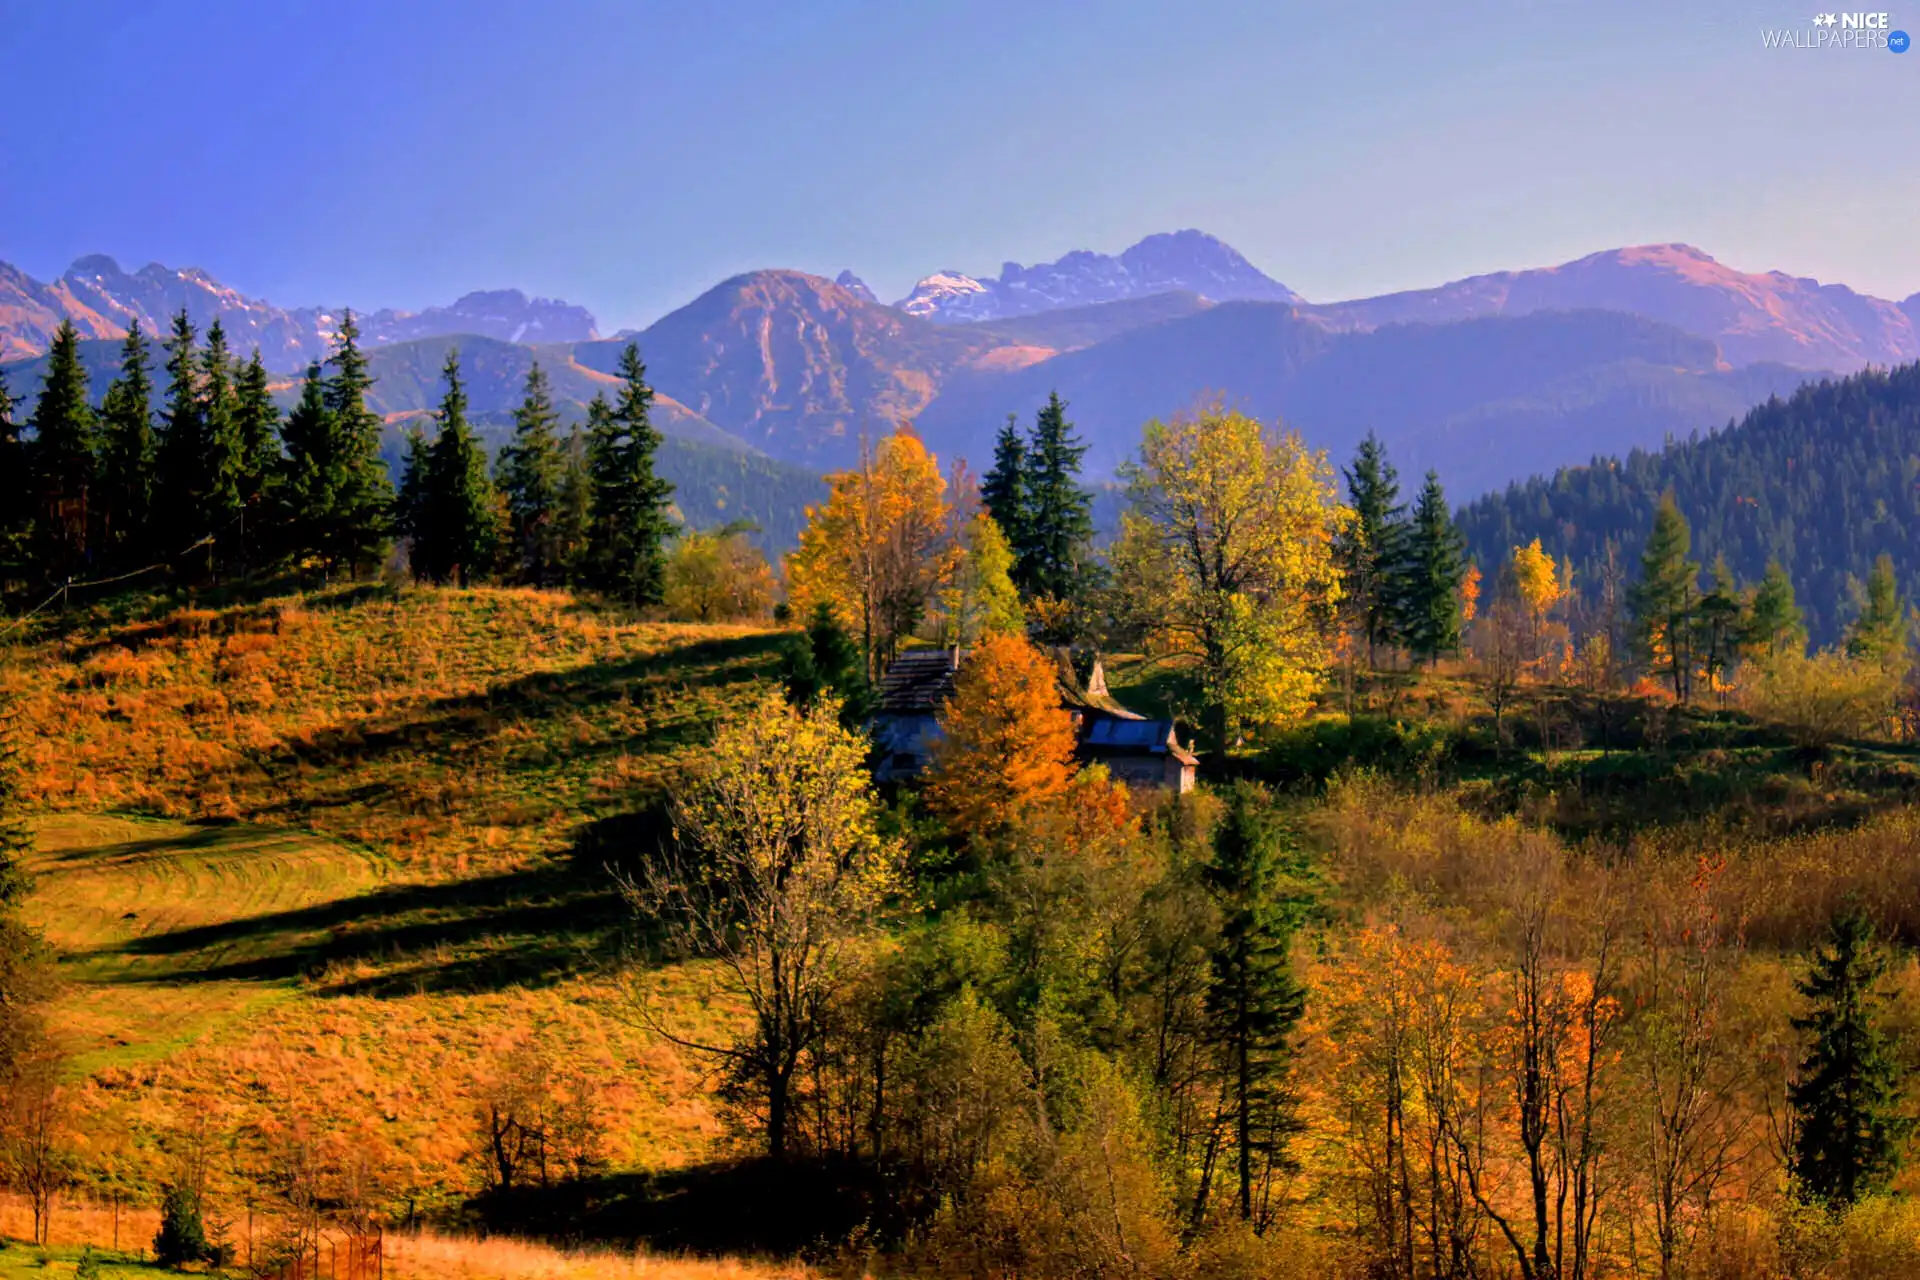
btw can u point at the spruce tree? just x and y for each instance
(183, 440)
(1880, 632)
(1059, 521)
(15, 490)
(533, 471)
(1003, 490)
(456, 537)
(218, 490)
(1719, 622)
(305, 493)
(1773, 622)
(1258, 880)
(360, 512)
(625, 554)
(1371, 549)
(1847, 1127)
(129, 452)
(409, 503)
(256, 430)
(573, 517)
(827, 660)
(1664, 601)
(1427, 584)
(64, 460)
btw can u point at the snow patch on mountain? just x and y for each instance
(1187, 261)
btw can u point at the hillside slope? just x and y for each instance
(320, 861)
(1823, 482)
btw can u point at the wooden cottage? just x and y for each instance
(1139, 751)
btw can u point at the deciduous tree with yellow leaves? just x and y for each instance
(1225, 561)
(877, 550)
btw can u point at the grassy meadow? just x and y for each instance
(316, 864)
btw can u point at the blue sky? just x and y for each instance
(629, 155)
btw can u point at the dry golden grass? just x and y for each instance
(359, 886)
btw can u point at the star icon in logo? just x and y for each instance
(1824, 20)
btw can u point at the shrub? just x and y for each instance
(1317, 751)
(1820, 699)
(182, 1237)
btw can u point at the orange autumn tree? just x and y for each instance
(1008, 744)
(877, 550)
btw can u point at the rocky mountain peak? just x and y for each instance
(1183, 261)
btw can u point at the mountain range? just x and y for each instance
(102, 299)
(1487, 379)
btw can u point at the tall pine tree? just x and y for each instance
(1773, 621)
(533, 469)
(455, 537)
(1880, 632)
(15, 491)
(1664, 602)
(256, 431)
(359, 516)
(183, 441)
(1433, 565)
(1370, 549)
(1003, 490)
(305, 493)
(1260, 884)
(410, 502)
(64, 460)
(1053, 560)
(1847, 1127)
(625, 553)
(573, 517)
(218, 497)
(129, 452)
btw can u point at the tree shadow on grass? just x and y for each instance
(524, 928)
(755, 1207)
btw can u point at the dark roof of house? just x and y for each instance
(918, 681)
(1110, 736)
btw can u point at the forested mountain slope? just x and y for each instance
(1823, 482)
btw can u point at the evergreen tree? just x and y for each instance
(1665, 600)
(409, 503)
(1059, 518)
(1718, 622)
(1880, 631)
(533, 473)
(129, 451)
(1372, 548)
(218, 491)
(183, 440)
(1773, 622)
(1427, 584)
(307, 472)
(455, 538)
(15, 490)
(357, 520)
(1847, 1128)
(827, 660)
(573, 516)
(626, 555)
(63, 460)
(1258, 880)
(1003, 491)
(256, 431)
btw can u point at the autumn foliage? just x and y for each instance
(1008, 743)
